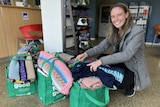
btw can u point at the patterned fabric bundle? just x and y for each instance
(111, 77)
(60, 73)
(21, 68)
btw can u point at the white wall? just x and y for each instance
(52, 25)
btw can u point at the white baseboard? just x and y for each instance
(150, 44)
(92, 38)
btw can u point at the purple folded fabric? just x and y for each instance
(22, 69)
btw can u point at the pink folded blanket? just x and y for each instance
(59, 72)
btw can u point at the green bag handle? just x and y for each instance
(92, 99)
(57, 56)
(34, 48)
(95, 101)
(18, 55)
(52, 65)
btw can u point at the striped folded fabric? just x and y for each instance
(59, 72)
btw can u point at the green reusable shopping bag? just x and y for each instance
(47, 91)
(20, 88)
(80, 97)
(17, 89)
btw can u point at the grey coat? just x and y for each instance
(131, 53)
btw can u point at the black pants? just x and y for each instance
(128, 80)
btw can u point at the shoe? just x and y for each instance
(130, 92)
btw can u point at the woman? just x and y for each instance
(127, 40)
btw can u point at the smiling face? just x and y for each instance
(118, 17)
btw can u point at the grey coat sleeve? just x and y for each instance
(98, 49)
(130, 46)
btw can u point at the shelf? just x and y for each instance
(76, 27)
(80, 7)
(80, 28)
(69, 31)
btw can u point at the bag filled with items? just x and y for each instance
(60, 73)
(20, 75)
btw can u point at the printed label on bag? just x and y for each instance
(55, 91)
(54, 88)
(16, 85)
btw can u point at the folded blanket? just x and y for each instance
(14, 69)
(63, 56)
(90, 82)
(30, 68)
(59, 72)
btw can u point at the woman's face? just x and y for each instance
(118, 17)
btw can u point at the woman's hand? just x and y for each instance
(94, 65)
(81, 57)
